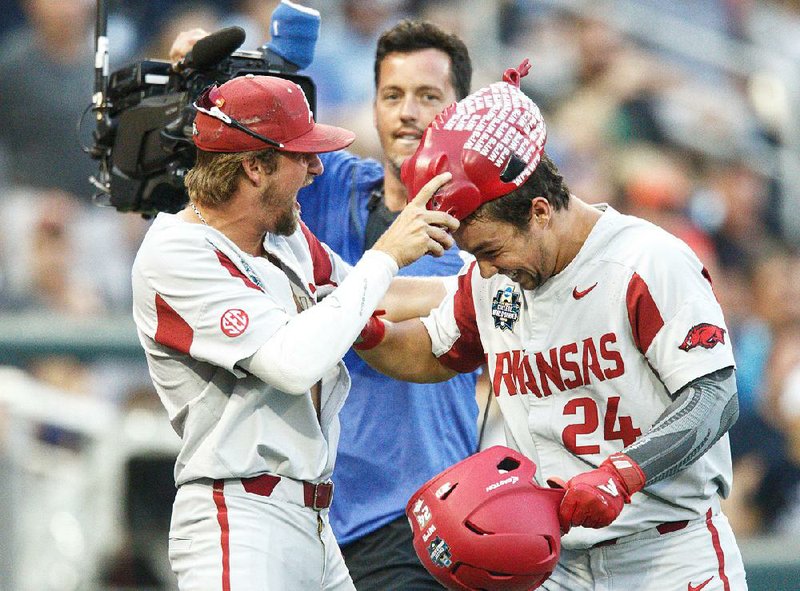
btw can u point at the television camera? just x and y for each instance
(144, 113)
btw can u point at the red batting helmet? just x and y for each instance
(485, 524)
(491, 141)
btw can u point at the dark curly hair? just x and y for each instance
(515, 208)
(409, 35)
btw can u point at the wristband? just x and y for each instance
(373, 332)
(629, 473)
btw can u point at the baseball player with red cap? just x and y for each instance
(244, 351)
(607, 349)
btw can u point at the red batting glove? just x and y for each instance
(373, 332)
(595, 498)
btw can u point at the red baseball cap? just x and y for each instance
(229, 118)
(491, 142)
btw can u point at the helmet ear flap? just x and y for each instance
(438, 165)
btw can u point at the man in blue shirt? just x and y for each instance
(395, 435)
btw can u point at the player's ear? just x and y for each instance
(540, 212)
(253, 170)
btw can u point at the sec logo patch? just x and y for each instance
(234, 322)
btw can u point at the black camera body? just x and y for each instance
(144, 142)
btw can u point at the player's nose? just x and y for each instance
(409, 108)
(487, 269)
(315, 166)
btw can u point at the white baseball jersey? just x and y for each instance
(582, 365)
(201, 305)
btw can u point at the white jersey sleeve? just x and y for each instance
(219, 311)
(674, 316)
(453, 328)
(302, 350)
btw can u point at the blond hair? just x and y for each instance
(215, 176)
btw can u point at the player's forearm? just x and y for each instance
(702, 412)
(412, 297)
(309, 344)
(405, 354)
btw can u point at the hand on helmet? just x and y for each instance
(596, 498)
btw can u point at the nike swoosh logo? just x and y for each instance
(579, 294)
(700, 586)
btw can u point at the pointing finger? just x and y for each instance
(428, 189)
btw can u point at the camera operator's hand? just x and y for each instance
(183, 44)
(418, 231)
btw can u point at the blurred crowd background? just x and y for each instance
(686, 113)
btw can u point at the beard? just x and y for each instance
(532, 279)
(287, 221)
(286, 224)
(526, 280)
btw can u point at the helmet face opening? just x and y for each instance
(485, 524)
(508, 464)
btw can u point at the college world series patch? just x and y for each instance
(439, 552)
(505, 308)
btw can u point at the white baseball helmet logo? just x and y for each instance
(234, 322)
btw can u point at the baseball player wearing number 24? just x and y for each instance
(244, 352)
(606, 346)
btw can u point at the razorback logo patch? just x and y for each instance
(703, 335)
(234, 322)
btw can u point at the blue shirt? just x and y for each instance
(395, 435)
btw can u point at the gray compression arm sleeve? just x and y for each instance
(700, 414)
(309, 344)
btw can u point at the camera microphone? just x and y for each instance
(294, 30)
(211, 50)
